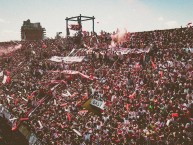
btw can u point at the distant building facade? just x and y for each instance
(32, 31)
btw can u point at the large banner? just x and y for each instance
(121, 50)
(129, 50)
(67, 59)
(72, 72)
(97, 103)
(75, 27)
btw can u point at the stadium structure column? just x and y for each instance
(93, 24)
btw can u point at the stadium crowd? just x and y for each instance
(148, 95)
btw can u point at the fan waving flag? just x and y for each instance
(161, 73)
(6, 78)
(189, 24)
(69, 117)
(153, 65)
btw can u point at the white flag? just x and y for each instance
(55, 102)
(40, 124)
(24, 99)
(77, 132)
(4, 79)
(66, 94)
(12, 119)
(1, 73)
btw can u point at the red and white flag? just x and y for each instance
(4, 79)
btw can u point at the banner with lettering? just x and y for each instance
(67, 59)
(72, 72)
(122, 50)
(87, 105)
(98, 104)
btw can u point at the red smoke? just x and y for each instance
(119, 37)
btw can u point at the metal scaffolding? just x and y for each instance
(79, 19)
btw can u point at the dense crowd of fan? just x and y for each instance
(148, 96)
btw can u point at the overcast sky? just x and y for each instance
(133, 15)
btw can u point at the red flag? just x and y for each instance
(137, 67)
(78, 103)
(16, 101)
(17, 124)
(161, 73)
(127, 107)
(108, 103)
(14, 128)
(85, 97)
(8, 73)
(132, 95)
(91, 77)
(44, 46)
(174, 114)
(8, 80)
(69, 117)
(64, 104)
(153, 65)
(24, 119)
